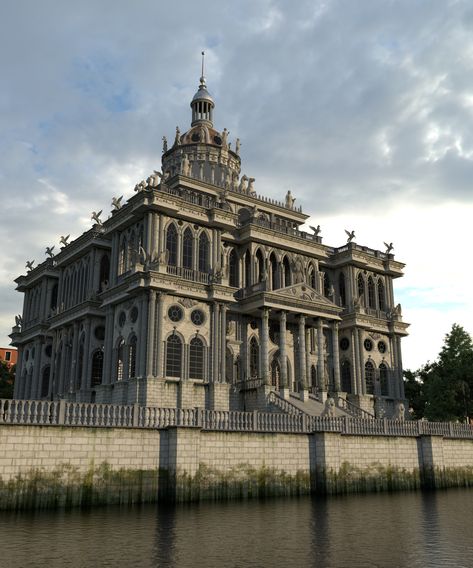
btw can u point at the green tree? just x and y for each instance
(7, 380)
(448, 382)
(414, 389)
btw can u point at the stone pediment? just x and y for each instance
(304, 292)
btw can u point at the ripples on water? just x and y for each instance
(388, 530)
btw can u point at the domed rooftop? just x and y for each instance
(202, 93)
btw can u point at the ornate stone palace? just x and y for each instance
(197, 292)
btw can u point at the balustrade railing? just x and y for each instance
(92, 415)
(284, 404)
(188, 274)
(353, 409)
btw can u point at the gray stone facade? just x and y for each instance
(199, 292)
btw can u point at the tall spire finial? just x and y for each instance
(202, 77)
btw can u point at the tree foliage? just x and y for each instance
(443, 390)
(7, 380)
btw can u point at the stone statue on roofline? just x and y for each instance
(251, 187)
(290, 200)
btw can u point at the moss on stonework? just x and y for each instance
(240, 482)
(376, 477)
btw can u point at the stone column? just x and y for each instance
(60, 382)
(148, 246)
(320, 355)
(213, 342)
(307, 358)
(264, 346)
(336, 356)
(159, 336)
(301, 354)
(114, 260)
(108, 347)
(151, 333)
(282, 351)
(223, 347)
(53, 371)
(244, 349)
(355, 380)
(141, 354)
(399, 367)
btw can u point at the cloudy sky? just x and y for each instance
(363, 109)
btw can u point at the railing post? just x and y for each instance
(61, 417)
(305, 425)
(136, 415)
(419, 427)
(450, 429)
(255, 420)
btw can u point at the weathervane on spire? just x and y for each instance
(202, 77)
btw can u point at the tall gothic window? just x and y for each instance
(247, 269)
(97, 368)
(369, 377)
(312, 277)
(346, 376)
(187, 248)
(275, 372)
(173, 356)
(104, 272)
(361, 288)
(313, 377)
(120, 359)
(371, 293)
(196, 359)
(132, 357)
(342, 289)
(381, 296)
(45, 381)
(260, 263)
(254, 358)
(383, 379)
(274, 272)
(171, 244)
(287, 272)
(327, 285)
(80, 365)
(122, 258)
(203, 252)
(233, 269)
(132, 250)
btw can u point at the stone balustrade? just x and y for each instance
(63, 413)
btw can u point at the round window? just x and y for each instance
(368, 344)
(381, 347)
(134, 314)
(197, 317)
(344, 343)
(99, 332)
(175, 313)
(121, 319)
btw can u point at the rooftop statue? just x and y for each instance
(225, 134)
(177, 139)
(237, 146)
(186, 166)
(351, 235)
(49, 251)
(96, 217)
(165, 144)
(316, 230)
(63, 241)
(243, 184)
(389, 247)
(251, 188)
(29, 265)
(116, 203)
(290, 200)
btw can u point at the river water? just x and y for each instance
(382, 530)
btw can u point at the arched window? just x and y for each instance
(260, 264)
(254, 358)
(342, 289)
(371, 293)
(275, 372)
(247, 269)
(369, 377)
(173, 356)
(53, 303)
(327, 285)
(132, 250)
(122, 257)
(80, 365)
(287, 272)
(381, 296)
(196, 359)
(361, 288)
(313, 377)
(383, 379)
(132, 357)
(104, 272)
(233, 269)
(312, 277)
(45, 381)
(97, 368)
(346, 376)
(187, 249)
(120, 359)
(203, 252)
(171, 244)
(274, 272)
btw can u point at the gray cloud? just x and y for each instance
(351, 105)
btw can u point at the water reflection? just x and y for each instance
(391, 530)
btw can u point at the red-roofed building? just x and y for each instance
(9, 355)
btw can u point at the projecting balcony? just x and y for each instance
(188, 274)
